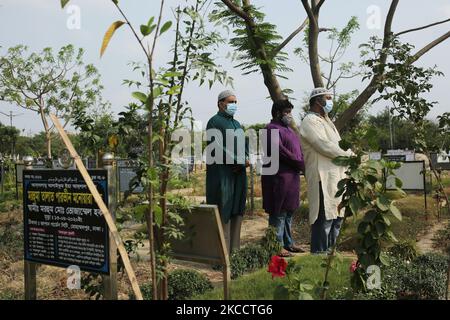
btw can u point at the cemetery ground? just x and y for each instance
(418, 229)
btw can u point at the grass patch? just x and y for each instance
(414, 222)
(260, 286)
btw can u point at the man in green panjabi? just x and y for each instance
(226, 177)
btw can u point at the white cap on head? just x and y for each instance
(320, 92)
(225, 94)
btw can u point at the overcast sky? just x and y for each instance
(42, 23)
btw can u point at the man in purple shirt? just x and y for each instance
(281, 191)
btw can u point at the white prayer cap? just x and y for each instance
(225, 94)
(320, 92)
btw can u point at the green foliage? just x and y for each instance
(95, 129)
(363, 191)
(11, 238)
(92, 284)
(403, 83)
(435, 138)
(335, 70)
(247, 54)
(185, 283)
(296, 287)
(259, 285)
(182, 285)
(8, 139)
(405, 250)
(422, 278)
(48, 82)
(248, 258)
(7, 294)
(270, 242)
(254, 256)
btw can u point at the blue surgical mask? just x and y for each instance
(231, 109)
(328, 106)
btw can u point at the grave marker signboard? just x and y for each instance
(203, 241)
(63, 225)
(400, 155)
(412, 174)
(127, 172)
(440, 162)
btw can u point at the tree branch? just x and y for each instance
(424, 27)
(289, 38)
(309, 11)
(237, 10)
(429, 46)
(317, 9)
(325, 29)
(132, 29)
(371, 88)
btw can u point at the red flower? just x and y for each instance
(277, 267)
(354, 266)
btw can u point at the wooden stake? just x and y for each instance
(225, 257)
(102, 206)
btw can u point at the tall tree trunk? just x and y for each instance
(313, 51)
(48, 134)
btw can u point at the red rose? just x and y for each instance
(354, 266)
(277, 267)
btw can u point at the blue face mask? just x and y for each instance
(328, 106)
(231, 109)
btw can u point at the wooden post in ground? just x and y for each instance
(225, 258)
(30, 267)
(102, 206)
(110, 281)
(252, 190)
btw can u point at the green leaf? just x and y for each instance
(341, 184)
(384, 259)
(174, 90)
(142, 97)
(383, 203)
(145, 30)
(375, 164)
(108, 35)
(172, 74)
(391, 235)
(305, 296)
(398, 183)
(395, 211)
(165, 27)
(157, 92)
(355, 204)
(150, 21)
(362, 227)
(386, 220)
(157, 211)
(341, 161)
(64, 3)
(306, 286)
(381, 228)
(281, 293)
(345, 145)
(371, 178)
(370, 216)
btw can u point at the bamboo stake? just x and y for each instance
(102, 206)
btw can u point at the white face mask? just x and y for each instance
(328, 106)
(286, 119)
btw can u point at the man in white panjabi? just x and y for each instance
(320, 142)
